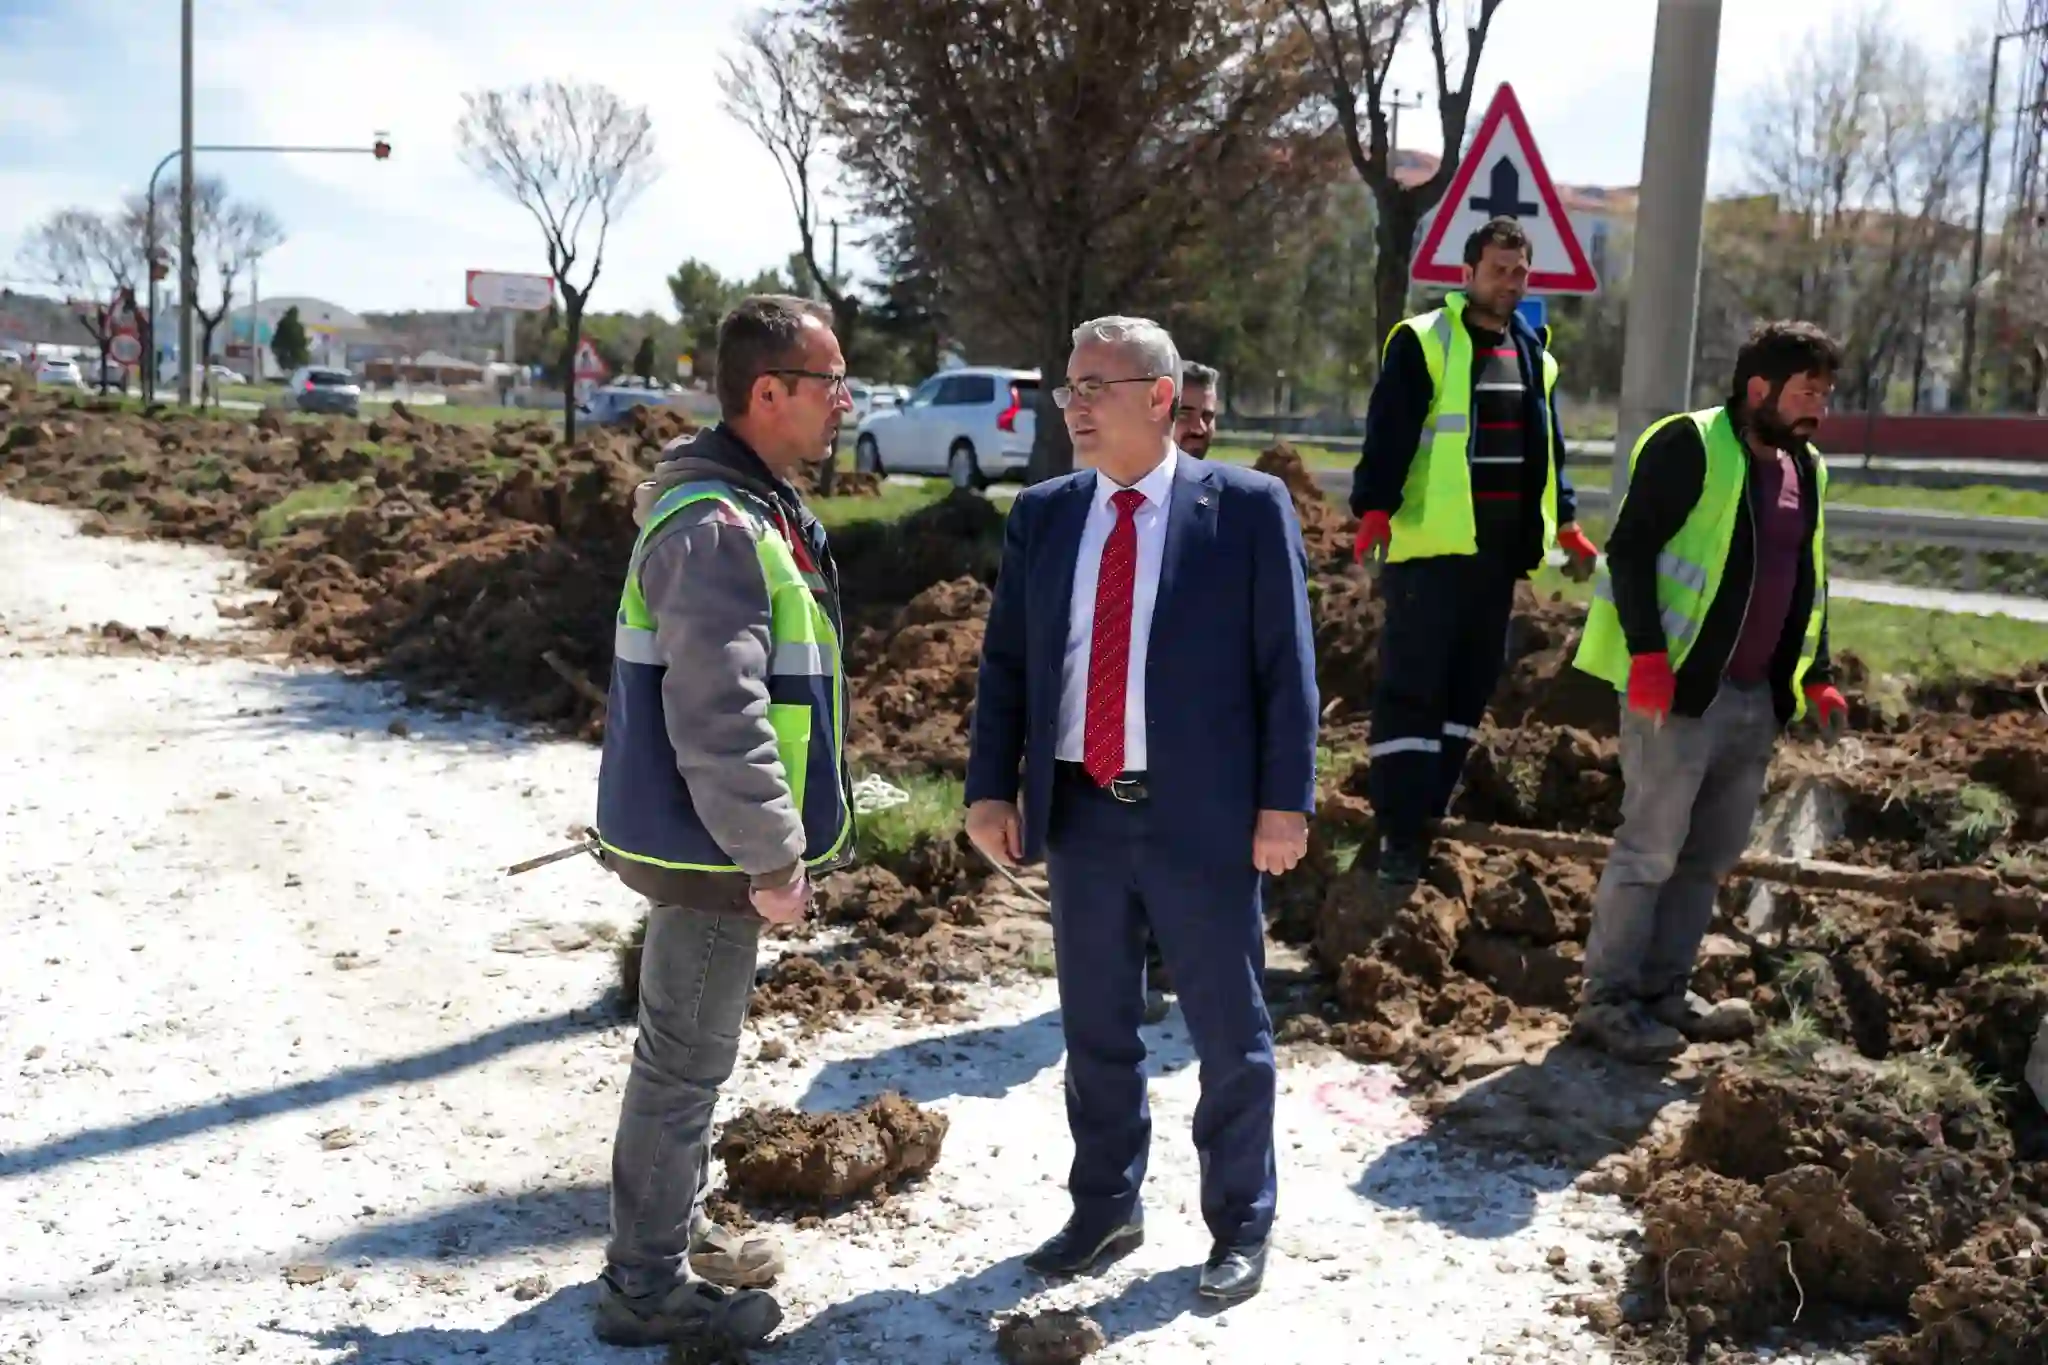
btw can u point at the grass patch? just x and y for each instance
(1983, 815)
(1932, 1081)
(1793, 1043)
(936, 809)
(895, 502)
(314, 500)
(1929, 646)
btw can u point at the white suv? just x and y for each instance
(973, 424)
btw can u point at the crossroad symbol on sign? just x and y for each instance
(1504, 161)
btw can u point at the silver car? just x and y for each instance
(973, 425)
(315, 388)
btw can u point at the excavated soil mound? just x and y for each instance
(788, 1159)
(1326, 530)
(914, 678)
(1057, 1336)
(1832, 1191)
(882, 565)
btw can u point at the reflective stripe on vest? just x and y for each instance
(639, 787)
(1435, 516)
(1691, 565)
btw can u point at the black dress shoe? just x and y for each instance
(1233, 1274)
(1075, 1250)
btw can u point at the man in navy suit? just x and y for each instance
(1148, 684)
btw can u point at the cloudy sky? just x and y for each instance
(89, 101)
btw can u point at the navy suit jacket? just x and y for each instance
(1230, 680)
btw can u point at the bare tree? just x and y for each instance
(568, 153)
(774, 86)
(1856, 161)
(1044, 161)
(1354, 42)
(92, 258)
(231, 236)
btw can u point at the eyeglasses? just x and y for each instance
(1088, 390)
(835, 384)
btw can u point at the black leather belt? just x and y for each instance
(1126, 787)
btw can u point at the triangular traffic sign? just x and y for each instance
(1503, 175)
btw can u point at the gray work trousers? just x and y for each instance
(1692, 790)
(696, 980)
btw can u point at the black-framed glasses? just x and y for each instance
(1088, 390)
(835, 384)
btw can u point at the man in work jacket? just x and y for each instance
(722, 792)
(1460, 492)
(1712, 621)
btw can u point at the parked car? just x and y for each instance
(973, 425)
(10, 359)
(315, 388)
(59, 374)
(608, 406)
(863, 395)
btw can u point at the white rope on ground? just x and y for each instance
(876, 793)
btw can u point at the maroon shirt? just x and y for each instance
(1780, 530)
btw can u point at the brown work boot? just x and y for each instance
(738, 1260)
(1627, 1032)
(1724, 1021)
(693, 1312)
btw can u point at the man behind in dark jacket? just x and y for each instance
(1460, 491)
(1712, 621)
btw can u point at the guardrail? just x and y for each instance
(1972, 534)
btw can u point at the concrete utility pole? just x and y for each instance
(1664, 285)
(188, 269)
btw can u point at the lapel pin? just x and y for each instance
(1202, 501)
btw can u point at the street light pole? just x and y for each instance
(379, 149)
(188, 272)
(1664, 286)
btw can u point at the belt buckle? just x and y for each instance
(1127, 790)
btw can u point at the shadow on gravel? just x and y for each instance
(1524, 1132)
(113, 1139)
(982, 1063)
(555, 1330)
(316, 699)
(481, 1228)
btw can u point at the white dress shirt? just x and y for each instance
(1150, 522)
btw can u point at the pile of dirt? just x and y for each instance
(1055, 1336)
(786, 1159)
(1487, 950)
(1326, 529)
(1829, 1191)
(925, 928)
(883, 564)
(914, 679)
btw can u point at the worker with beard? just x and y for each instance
(1712, 622)
(1460, 492)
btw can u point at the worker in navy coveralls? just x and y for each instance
(1148, 687)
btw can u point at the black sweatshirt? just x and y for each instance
(1393, 431)
(1665, 486)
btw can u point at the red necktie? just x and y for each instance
(1109, 646)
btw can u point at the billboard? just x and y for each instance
(500, 289)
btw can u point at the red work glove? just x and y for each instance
(1374, 534)
(1651, 685)
(1830, 710)
(1581, 554)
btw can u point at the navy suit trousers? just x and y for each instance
(1110, 880)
